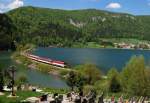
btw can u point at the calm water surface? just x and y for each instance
(103, 58)
(34, 77)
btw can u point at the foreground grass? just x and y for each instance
(56, 90)
(22, 95)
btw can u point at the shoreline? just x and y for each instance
(39, 66)
(55, 68)
(50, 69)
(97, 48)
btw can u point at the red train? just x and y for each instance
(47, 60)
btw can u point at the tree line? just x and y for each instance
(133, 80)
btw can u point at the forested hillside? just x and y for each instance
(7, 32)
(46, 27)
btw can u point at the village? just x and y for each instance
(132, 46)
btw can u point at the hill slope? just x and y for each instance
(61, 27)
(7, 30)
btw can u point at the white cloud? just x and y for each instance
(1, 11)
(2, 6)
(114, 6)
(13, 4)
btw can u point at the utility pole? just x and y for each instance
(12, 70)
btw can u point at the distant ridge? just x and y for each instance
(44, 26)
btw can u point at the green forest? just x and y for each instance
(63, 28)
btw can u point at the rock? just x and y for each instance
(1, 93)
(11, 96)
(33, 100)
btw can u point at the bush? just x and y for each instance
(44, 67)
(101, 86)
(134, 79)
(63, 72)
(21, 79)
(114, 81)
(87, 89)
(90, 72)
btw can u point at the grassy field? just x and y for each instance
(22, 96)
(125, 40)
(111, 40)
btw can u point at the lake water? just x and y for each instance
(34, 77)
(103, 58)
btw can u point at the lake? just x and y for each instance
(102, 58)
(34, 77)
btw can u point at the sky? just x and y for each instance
(136, 7)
